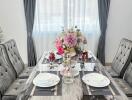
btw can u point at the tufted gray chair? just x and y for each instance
(126, 82)
(14, 57)
(5, 62)
(129, 98)
(122, 59)
(10, 87)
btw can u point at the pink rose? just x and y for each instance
(60, 50)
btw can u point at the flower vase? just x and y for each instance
(68, 77)
(67, 71)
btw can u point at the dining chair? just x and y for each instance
(122, 59)
(126, 83)
(22, 70)
(129, 98)
(10, 86)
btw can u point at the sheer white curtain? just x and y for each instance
(53, 15)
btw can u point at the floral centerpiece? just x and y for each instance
(69, 41)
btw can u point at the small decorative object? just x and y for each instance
(85, 56)
(52, 56)
(70, 41)
(51, 59)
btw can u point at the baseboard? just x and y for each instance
(108, 63)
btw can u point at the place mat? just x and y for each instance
(59, 61)
(90, 60)
(49, 91)
(89, 90)
(112, 86)
(98, 97)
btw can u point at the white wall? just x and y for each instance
(119, 25)
(12, 22)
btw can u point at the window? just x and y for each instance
(53, 15)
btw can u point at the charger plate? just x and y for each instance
(46, 80)
(96, 80)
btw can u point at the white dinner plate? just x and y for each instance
(46, 80)
(96, 80)
(56, 55)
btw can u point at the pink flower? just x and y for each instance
(58, 43)
(70, 40)
(60, 50)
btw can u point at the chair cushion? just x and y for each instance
(9, 97)
(112, 72)
(5, 79)
(14, 56)
(128, 75)
(15, 89)
(26, 72)
(126, 88)
(129, 98)
(123, 57)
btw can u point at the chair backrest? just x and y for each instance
(7, 73)
(14, 56)
(123, 57)
(128, 75)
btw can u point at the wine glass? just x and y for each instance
(51, 59)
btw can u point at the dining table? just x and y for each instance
(77, 90)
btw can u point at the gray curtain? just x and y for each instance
(29, 6)
(103, 7)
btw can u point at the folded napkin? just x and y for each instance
(89, 66)
(78, 66)
(48, 67)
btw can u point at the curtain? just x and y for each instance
(29, 6)
(103, 7)
(54, 15)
